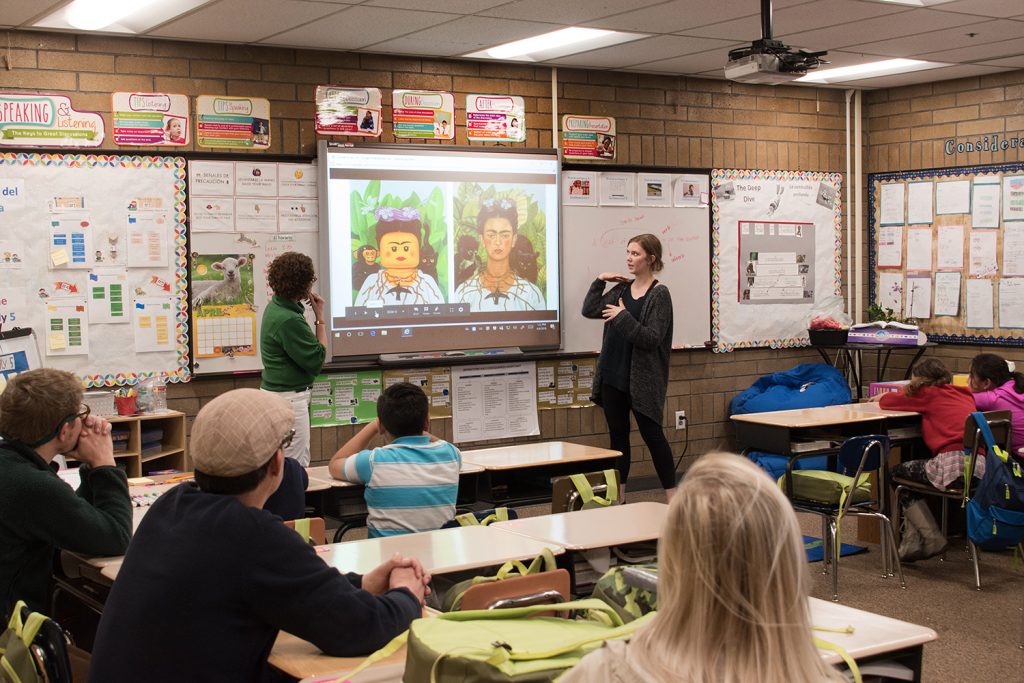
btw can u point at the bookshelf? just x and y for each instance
(167, 451)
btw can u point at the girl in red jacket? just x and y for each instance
(944, 409)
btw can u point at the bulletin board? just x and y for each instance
(594, 239)
(243, 213)
(946, 248)
(92, 258)
(776, 255)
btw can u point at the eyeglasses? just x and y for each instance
(286, 441)
(83, 413)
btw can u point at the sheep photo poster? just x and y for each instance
(223, 308)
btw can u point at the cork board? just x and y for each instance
(950, 243)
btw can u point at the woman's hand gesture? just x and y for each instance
(613, 277)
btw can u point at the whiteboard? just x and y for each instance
(125, 215)
(594, 241)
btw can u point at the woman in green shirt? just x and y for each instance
(293, 354)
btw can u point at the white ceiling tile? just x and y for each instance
(451, 6)
(359, 27)
(17, 12)
(985, 8)
(938, 43)
(930, 76)
(805, 17)
(219, 21)
(676, 15)
(568, 13)
(642, 51)
(855, 34)
(982, 52)
(1016, 62)
(712, 60)
(473, 33)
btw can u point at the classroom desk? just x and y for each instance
(874, 637)
(821, 430)
(593, 528)
(521, 474)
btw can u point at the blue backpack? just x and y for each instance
(995, 515)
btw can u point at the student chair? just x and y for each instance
(999, 421)
(585, 490)
(481, 517)
(34, 647)
(834, 495)
(535, 589)
(311, 529)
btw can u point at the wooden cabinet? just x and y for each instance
(166, 449)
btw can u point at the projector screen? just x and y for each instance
(430, 248)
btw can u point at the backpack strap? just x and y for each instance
(611, 480)
(302, 528)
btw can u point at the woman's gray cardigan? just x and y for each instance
(651, 338)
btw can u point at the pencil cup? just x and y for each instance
(125, 405)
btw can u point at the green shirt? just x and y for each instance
(40, 513)
(292, 356)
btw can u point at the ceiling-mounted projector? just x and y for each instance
(769, 61)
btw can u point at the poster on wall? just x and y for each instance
(345, 398)
(240, 122)
(778, 262)
(495, 118)
(348, 111)
(423, 114)
(150, 118)
(565, 383)
(223, 309)
(588, 137)
(436, 383)
(44, 120)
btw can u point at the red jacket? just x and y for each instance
(944, 410)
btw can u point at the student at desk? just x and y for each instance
(411, 483)
(732, 590)
(211, 577)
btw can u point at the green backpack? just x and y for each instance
(545, 562)
(586, 490)
(32, 649)
(631, 590)
(508, 645)
(830, 488)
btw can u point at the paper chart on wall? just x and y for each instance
(890, 246)
(296, 180)
(985, 203)
(919, 297)
(983, 253)
(1011, 303)
(223, 312)
(947, 293)
(949, 252)
(67, 326)
(919, 249)
(255, 215)
(953, 196)
(298, 215)
(919, 202)
(153, 323)
(212, 214)
(70, 241)
(494, 401)
(148, 235)
(107, 292)
(653, 189)
(892, 197)
(617, 189)
(255, 179)
(980, 314)
(436, 383)
(345, 398)
(1013, 249)
(1013, 198)
(890, 292)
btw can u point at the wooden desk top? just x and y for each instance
(822, 417)
(872, 633)
(301, 659)
(594, 528)
(441, 551)
(322, 475)
(535, 454)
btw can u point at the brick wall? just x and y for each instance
(661, 121)
(907, 129)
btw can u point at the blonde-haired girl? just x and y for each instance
(732, 590)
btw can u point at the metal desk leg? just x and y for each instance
(913, 361)
(853, 370)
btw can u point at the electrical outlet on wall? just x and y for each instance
(680, 419)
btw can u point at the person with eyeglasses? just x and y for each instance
(41, 417)
(211, 577)
(292, 353)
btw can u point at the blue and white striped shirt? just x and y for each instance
(411, 484)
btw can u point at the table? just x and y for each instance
(849, 350)
(814, 430)
(593, 528)
(504, 482)
(874, 636)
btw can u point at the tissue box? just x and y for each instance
(876, 388)
(876, 334)
(100, 402)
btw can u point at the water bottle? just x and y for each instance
(158, 395)
(144, 400)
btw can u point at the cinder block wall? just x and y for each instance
(661, 121)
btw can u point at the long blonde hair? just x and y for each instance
(732, 586)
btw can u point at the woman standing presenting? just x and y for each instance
(632, 372)
(293, 354)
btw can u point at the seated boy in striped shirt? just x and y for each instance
(412, 482)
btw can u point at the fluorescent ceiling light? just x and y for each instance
(857, 72)
(915, 3)
(116, 16)
(559, 43)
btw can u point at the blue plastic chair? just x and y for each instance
(859, 455)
